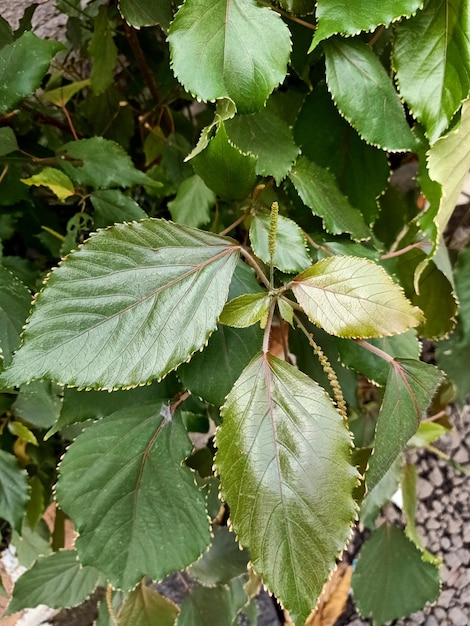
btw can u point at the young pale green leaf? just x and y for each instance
(406, 346)
(124, 479)
(192, 203)
(246, 310)
(298, 7)
(428, 432)
(365, 96)
(146, 12)
(38, 403)
(268, 138)
(57, 580)
(282, 440)
(101, 163)
(432, 60)
(319, 190)
(23, 65)
(223, 561)
(109, 315)
(112, 206)
(410, 388)
(18, 429)
(15, 302)
(146, 607)
(14, 491)
(55, 180)
(8, 141)
(103, 52)
(361, 170)
(391, 580)
(229, 49)
(212, 373)
(290, 254)
(61, 95)
(352, 297)
(224, 169)
(350, 18)
(448, 164)
(213, 605)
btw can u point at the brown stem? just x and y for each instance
(69, 120)
(418, 244)
(58, 534)
(288, 15)
(261, 275)
(234, 225)
(315, 245)
(377, 351)
(377, 35)
(141, 61)
(267, 330)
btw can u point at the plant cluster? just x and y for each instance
(244, 206)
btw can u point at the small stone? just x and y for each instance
(455, 527)
(436, 505)
(440, 614)
(452, 560)
(431, 621)
(466, 533)
(457, 617)
(461, 456)
(425, 488)
(445, 598)
(432, 523)
(445, 543)
(464, 556)
(457, 541)
(436, 477)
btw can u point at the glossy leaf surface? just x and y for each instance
(410, 387)
(14, 491)
(213, 605)
(319, 190)
(192, 203)
(283, 460)
(352, 297)
(112, 206)
(365, 96)
(57, 580)
(146, 607)
(223, 561)
(146, 12)
(15, 302)
(391, 579)
(23, 65)
(229, 49)
(432, 59)
(245, 310)
(349, 18)
(109, 315)
(290, 254)
(58, 182)
(103, 52)
(113, 482)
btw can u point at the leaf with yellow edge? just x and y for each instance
(353, 297)
(246, 310)
(62, 95)
(146, 607)
(58, 182)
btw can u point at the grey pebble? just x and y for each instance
(432, 524)
(445, 543)
(431, 621)
(440, 615)
(464, 556)
(452, 560)
(425, 489)
(436, 476)
(455, 527)
(445, 598)
(457, 617)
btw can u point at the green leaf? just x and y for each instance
(448, 163)
(361, 170)
(113, 482)
(373, 367)
(192, 203)
(213, 605)
(298, 7)
(55, 180)
(112, 206)
(223, 561)
(38, 403)
(62, 95)
(246, 310)
(212, 373)
(350, 18)
(146, 607)
(224, 169)
(8, 141)
(229, 49)
(365, 96)
(57, 580)
(432, 61)
(146, 12)
(282, 439)
(108, 316)
(15, 302)
(410, 388)
(14, 491)
(319, 190)
(103, 52)
(32, 544)
(100, 163)
(391, 580)
(290, 254)
(18, 429)
(23, 65)
(268, 138)
(381, 493)
(352, 297)
(428, 432)
(36, 507)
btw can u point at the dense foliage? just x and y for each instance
(250, 202)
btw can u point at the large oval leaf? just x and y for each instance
(131, 498)
(132, 304)
(365, 96)
(352, 297)
(283, 459)
(229, 49)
